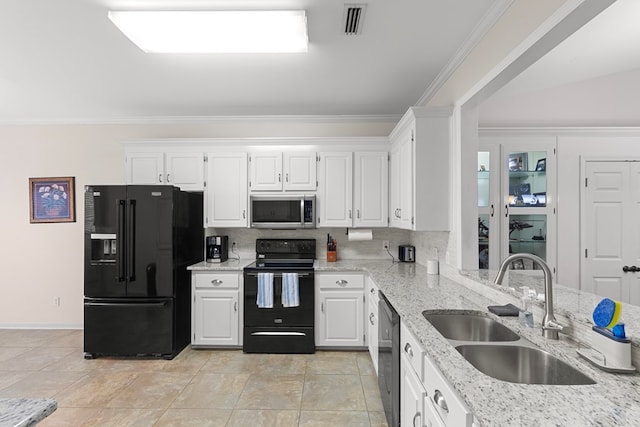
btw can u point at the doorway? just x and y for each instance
(610, 244)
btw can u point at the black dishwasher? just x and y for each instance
(389, 360)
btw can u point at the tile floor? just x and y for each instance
(197, 388)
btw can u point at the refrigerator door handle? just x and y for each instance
(120, 257)
(131, 241)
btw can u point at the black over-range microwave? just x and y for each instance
(287, 211)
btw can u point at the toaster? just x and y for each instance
(407, 253)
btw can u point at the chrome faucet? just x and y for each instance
(550, 327)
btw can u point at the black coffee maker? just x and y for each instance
(217, 248)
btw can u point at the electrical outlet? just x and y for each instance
(56, 301)
(385, 245)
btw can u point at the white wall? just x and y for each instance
(40, 262)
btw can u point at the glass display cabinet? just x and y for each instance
(516, 201)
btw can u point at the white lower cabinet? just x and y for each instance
(411, 396)
(371, 320)
(216, 309)
(443, 400)
(339, 310)
(426, 398)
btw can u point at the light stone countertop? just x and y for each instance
(228, 265)
(614, 400)
(25, 412)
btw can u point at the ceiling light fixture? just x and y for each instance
(214, 31)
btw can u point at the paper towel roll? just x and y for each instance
(360, 235)
(432, 266)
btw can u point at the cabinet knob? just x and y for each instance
(279, 177)
(286, 177)
(358, 213)
(244, 214)
(371, 317)
(341, 282)
(408, 349)
(235, 306)
(168, 177)
(440, 400)
(159, 177)
(216, 282)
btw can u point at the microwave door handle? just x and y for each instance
(302, 212)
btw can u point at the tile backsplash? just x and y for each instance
(425, 242)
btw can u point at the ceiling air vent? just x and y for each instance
(352, 18)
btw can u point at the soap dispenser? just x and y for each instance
(525, 316)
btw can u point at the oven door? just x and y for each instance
(302, 315)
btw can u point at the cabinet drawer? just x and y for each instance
(441, 395)
(217, 280)
(340, 281)
(412, 350)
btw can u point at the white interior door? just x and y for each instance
(611, 233)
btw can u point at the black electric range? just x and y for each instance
(280, 327)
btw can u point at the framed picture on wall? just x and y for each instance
(541, 166)
(52, 199)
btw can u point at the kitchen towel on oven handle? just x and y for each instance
(290, 290)
(265, 290)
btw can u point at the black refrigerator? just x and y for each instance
(139, 241)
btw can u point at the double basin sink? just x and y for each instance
(497, 351)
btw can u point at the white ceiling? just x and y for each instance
(591, 78)
(64, 60)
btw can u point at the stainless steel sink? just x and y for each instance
(470, 327)
(524, 365)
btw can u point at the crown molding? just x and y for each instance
(205, 119)
(559, 131)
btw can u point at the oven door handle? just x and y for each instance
(276, 334)
(278, 274)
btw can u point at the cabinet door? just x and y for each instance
(401, 183)
(372, 333)
(529, 202)
(299, 171)
(371, 189)
(335, 190)
(339, 319)
(394, 186)
(226, 195)
(185, 170)
(406, 183)
(411, 396)
(215, 318)
(145, 168)
(266, 171)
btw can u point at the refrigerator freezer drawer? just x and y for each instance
(129, 327)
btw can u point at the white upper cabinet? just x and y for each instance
(420, 170)
(300, 171)
(184, 170)
(266, 171)
(277, 171)
(335, 188)
(226, 198)
(370, 189)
